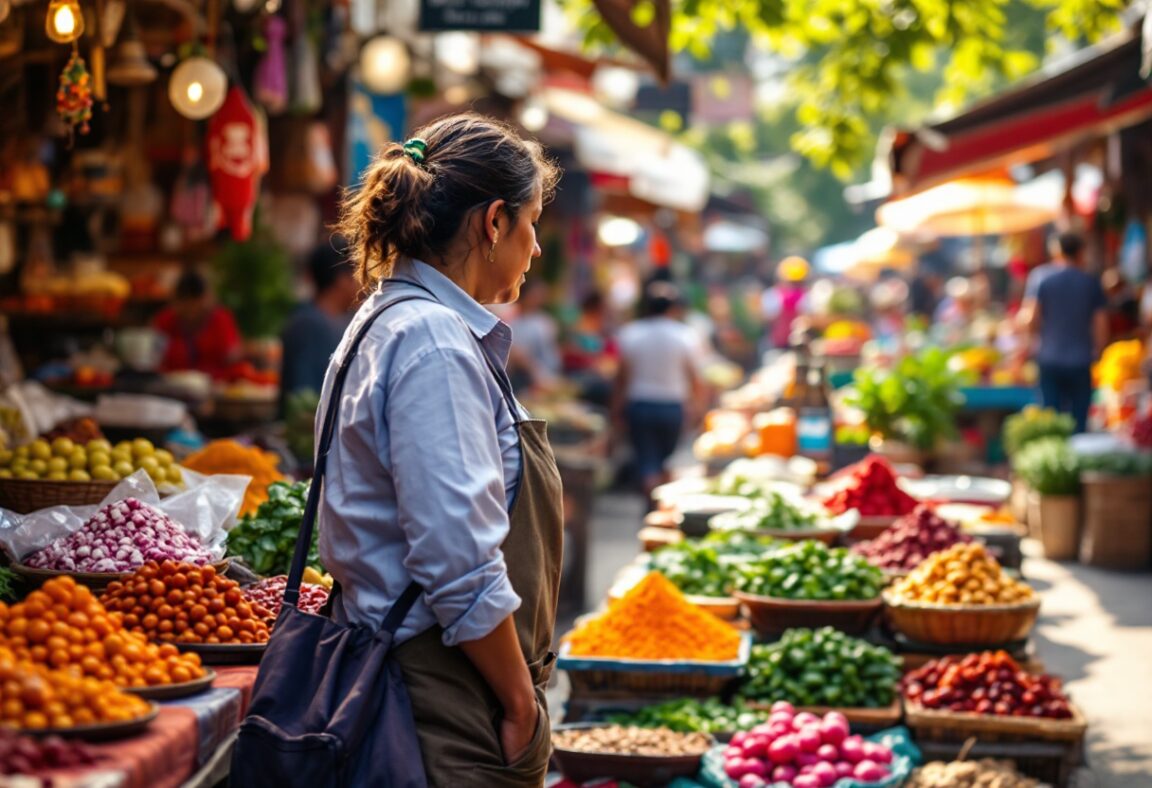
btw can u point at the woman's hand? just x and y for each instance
(516, 734)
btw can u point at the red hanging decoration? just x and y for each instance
(74, 96)
(237, 157)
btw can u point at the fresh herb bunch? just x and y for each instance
(1048, 466)
(707, 567)
(1034, 423)
(691, 716)
(773, 512)
(267, 540)
(914, 402)
(812, 570)
(1116, 463)
(8, 581)
(822, 667)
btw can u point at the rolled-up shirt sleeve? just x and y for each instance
(449, 479)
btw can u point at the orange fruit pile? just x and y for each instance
(63, 625)
(172, 602)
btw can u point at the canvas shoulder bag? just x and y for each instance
(329, 707)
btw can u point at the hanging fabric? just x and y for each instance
(271, 80)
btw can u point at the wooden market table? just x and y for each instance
(188, 746)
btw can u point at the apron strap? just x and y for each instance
(312, 506)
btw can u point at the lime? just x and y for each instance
(62, 447)
(38, 467)
(78, 459)
(98, 445)
(120, 455)
(174, 474)
(123, 469)
(40, 450)
(104, 473)
(79, 475)
(98, 458)
(163, 456)
(157, 473)
(142, 447)
(149, 464)
(58, 465)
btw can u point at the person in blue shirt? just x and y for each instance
(436, 475)
(315, 328)
(1065, 308)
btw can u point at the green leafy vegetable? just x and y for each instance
(707, 567)
(1048, 466)
(811, 570)
(691, 716)
(822, 667)
(267, 539)
(1034, 423)
(772, 512)
(8, 579)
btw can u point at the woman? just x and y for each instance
(436, 476)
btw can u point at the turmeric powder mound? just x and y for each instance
(227, 456)
(654, 621)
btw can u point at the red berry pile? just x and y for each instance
(269, 592)
(871, 488)
(910, 540)
(987, 683)
(804, 751)
(1141, 431)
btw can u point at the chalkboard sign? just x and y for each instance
(480, 15)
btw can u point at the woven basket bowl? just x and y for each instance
(871, 526)
(29, 495)
(771, 616)
(969, 625)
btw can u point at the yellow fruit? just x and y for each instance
(57, 476)
(142, 447)
(79, 475)
(78, 460)
(58, 465)
(123, 468)
(164, 457)
(5, 458)
(104, 473)
(62, 447)
(38, 467)
(6, 473)
(98, 458)
(98, 445)
(40, 450)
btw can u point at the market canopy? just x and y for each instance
(641, 160)
(991, 204)
(1100, 93)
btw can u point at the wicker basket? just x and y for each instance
(643, 770)
(654, 677)
(771, 616)
(29, 495)
(968, 625)
(1117, 521)
(96, 581)
(958, 726)
(723, 607)
(1052, 763)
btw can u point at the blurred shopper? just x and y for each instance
(784, 302)
(888, 322)
(200, 334)
(1065, 308)
(589, 353)
(658, 387)
(315, 328)
(1123, 306)
(534, 361)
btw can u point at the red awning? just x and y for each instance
(1098, 94)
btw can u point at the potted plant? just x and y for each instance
(1022, 428)
(1050, 470)
(1117, 510)
(911, 407)
(254, 279)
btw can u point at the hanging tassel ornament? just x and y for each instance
(74, 96)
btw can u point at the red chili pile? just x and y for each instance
(270, 593)
(987, 683)
(1141, 432)
(871, 488)
(910, 540)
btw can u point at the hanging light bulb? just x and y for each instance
(385, 65)
(197, 87)
(65, 21)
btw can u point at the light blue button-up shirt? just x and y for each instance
(424, 464)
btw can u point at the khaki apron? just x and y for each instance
(457, 715)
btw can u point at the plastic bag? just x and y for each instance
(207, 509)
(905, 757)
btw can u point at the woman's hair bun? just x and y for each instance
(408, 208)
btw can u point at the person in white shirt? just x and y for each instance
(657, 382)
(534, 361)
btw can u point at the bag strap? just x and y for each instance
(308, 524)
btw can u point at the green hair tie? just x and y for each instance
(416, 149)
